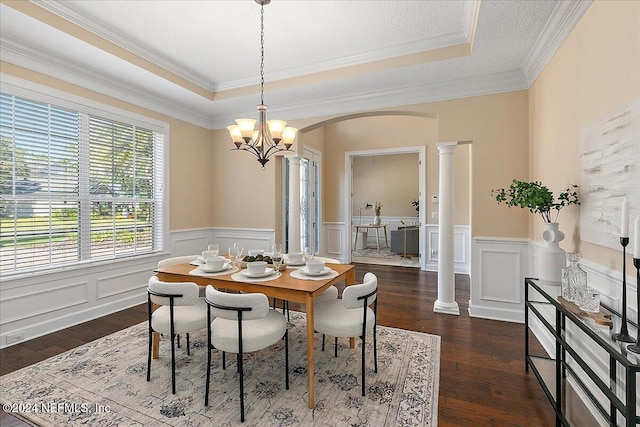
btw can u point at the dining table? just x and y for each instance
(283, 287)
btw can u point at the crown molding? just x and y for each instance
(67, 12)
(387, 98)
(18, 54)
(562, 21)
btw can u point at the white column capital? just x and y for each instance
(446, 147)
(293, 158)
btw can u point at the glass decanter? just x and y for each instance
(574, 279)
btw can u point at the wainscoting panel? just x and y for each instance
(123, 283)
(39, 303)
(461, 248)
(28, 302)
(246, 238)
(497, 281)
(333, 243)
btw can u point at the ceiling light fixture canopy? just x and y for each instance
(264, 141)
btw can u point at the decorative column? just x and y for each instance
(446, 302)
(294, 203)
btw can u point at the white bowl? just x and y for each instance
(256, 267)
(207, 254)
(215, 263)
(315, 265)
(294, 257)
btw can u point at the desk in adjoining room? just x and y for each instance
(366, 228)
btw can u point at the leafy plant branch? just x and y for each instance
(537, 198)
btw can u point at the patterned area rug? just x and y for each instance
(103, 383)
(384, 257)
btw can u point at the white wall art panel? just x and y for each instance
(609, 172)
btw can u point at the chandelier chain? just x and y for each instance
(262, 54)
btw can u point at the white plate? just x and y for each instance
(200, 259)
(267, 272)
(322, 272)
(206, 269)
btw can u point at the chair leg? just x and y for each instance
(224, 359)
(322, 342)
(206, 390)
(241, 371)
(364, 340)
(173, 364)
(188, 352)
(149, 359)
(335, 347)
(286, 357)
(178, 340)
(375, 350)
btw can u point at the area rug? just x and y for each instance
(103, 383)
(384, 256)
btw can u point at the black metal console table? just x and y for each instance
(540, 298)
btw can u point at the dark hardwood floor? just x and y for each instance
(482, 377)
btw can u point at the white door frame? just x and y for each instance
(316, 157)
(422, 197)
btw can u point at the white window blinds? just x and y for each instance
(75, 187)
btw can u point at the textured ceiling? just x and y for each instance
(199, 60)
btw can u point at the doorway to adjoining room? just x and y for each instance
(385, 208)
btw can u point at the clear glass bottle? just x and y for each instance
(574, 279)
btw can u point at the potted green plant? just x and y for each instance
(416, 204)
(538, 199)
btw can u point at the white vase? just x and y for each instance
(551, 258)
(376, 220)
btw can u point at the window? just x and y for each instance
(75, 187)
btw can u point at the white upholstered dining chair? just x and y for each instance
(181, 311)
(351, 316)
(244, 323)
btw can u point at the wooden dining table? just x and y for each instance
(284, 287)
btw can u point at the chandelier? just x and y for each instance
(264, 141)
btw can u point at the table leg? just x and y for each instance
(310, 351)
(377, 239)
(355, 244)
(350, 279)
(155, 338)
(386, 241)
(156, 345)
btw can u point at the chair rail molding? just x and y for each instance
(37, 304)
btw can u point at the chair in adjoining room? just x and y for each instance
(351, 316)
(181, 311)
(244, 323)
